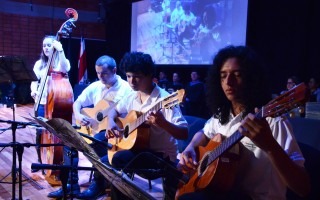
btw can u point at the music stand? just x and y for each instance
(13, 70)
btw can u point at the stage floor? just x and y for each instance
(34, 185)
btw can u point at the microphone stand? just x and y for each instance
(19, 149)
(14, 145)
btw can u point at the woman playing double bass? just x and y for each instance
(60, 64)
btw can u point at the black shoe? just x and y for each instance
(93, 192)
(59, 193)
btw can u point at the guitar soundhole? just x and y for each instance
(99, 116)
(126, 132)
(203, 165)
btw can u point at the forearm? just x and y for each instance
(34, 86)
(177, 131)
(295, 176)
(76, 109)
(64, 64)
(112, 114)
(199, 139)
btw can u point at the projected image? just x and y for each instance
(187, 31)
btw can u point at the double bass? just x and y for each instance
(58, 103)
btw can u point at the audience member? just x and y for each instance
(300, 111)
(195, 97)
(175, 84)
(314, 85)
(163, 81)
(291, 82)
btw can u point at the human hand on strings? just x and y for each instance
(155, 118)
(57, 45)
(87, 121)
(113, 130)
(188, 160)
(258, 130)
(34, 94)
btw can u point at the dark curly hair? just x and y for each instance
(256, 92)
(137, 62)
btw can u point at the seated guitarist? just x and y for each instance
(165, 125)
(269, 160)
(186, 27)
(111, 88)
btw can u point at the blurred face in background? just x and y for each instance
(162, 75)
(194, 76)
(313, 85)
(175, 77)
(290, 84)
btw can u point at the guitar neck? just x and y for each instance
(224, 146)
(142, 118)
(166, 102)
(43, 81)
(229, 142)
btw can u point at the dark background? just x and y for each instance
(284, 33)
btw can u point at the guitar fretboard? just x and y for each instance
(142, 118)
(167, 102)
(224, 146)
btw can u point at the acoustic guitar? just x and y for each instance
(99, 113)
(216, 171)
(136, 133)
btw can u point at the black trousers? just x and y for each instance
(135, 161)
(71, 156)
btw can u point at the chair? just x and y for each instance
(194, 124)
(307, 134)
(150, 175)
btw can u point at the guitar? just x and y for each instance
(203, 34)
(215, 171)
(136, 134)
(98, 113)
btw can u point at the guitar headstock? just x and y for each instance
(66, 27)
(293, 98)
(173, 99)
